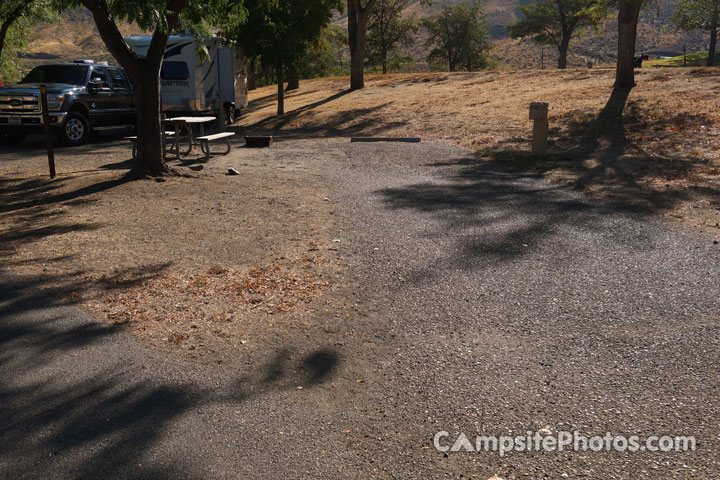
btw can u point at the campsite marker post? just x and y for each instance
(539, 114)
(48, 133)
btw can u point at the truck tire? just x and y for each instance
(230, 114)
(12, 139)
(75, 130)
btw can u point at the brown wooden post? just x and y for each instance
(539, 114)
(48, 133)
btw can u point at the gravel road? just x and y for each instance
(485, 302)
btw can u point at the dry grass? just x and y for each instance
(666, 151)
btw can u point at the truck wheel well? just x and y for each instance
(80, 108)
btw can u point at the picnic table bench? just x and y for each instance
(133, 139)
(205, 143)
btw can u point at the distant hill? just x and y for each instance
(76, 37)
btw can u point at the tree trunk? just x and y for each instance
(357, 57)
(563, 51)
(145, 75)
(384, 67)
(3, 33)
(713, 34)
(281, 92)
(293, 80)
(628, 14)
(150, 160)
(357, 30)
(251, 84)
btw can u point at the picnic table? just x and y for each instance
(186, 123)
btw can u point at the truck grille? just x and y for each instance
(20, 104)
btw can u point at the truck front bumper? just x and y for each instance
(29, 123)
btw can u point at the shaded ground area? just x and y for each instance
(81, 400)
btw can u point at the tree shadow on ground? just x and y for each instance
(277, 123)
(341, 124)
(261, 102)
(38, 209)
(623, 150)
(498, 214)
(81, 400)
(35, 144)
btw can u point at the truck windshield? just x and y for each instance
(68, 74)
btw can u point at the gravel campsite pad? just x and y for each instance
(423, 289)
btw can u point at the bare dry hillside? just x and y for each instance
(75, 36)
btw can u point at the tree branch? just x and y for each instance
(12, 16)
(159, 38)
(112, 37)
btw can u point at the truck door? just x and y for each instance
(100, 98)
(122, 97)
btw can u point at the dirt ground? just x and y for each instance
(666, 154)
(201, 265)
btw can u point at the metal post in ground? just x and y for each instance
(48, 133)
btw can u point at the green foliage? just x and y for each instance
(281, 31)
(548, 21)
(694, 59)
(19, 16)
(457, 37)
(152, 15)
(695, 14)
(387, 31)
(556, 22)
(324, 57)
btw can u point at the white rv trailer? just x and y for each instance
(190, 86)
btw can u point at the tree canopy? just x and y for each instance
(16, 18)
(699, 15)
(556, 22)
(387, 30)
(281, 31)
(457, 37)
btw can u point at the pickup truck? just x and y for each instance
(82, 96)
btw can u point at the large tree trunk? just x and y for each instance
(293, 80)
(281, 92)
(713, 33)
(251, 84)
(150, 159)
(357, 30)
(628, 15)
(563, 51)
(145, 75)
